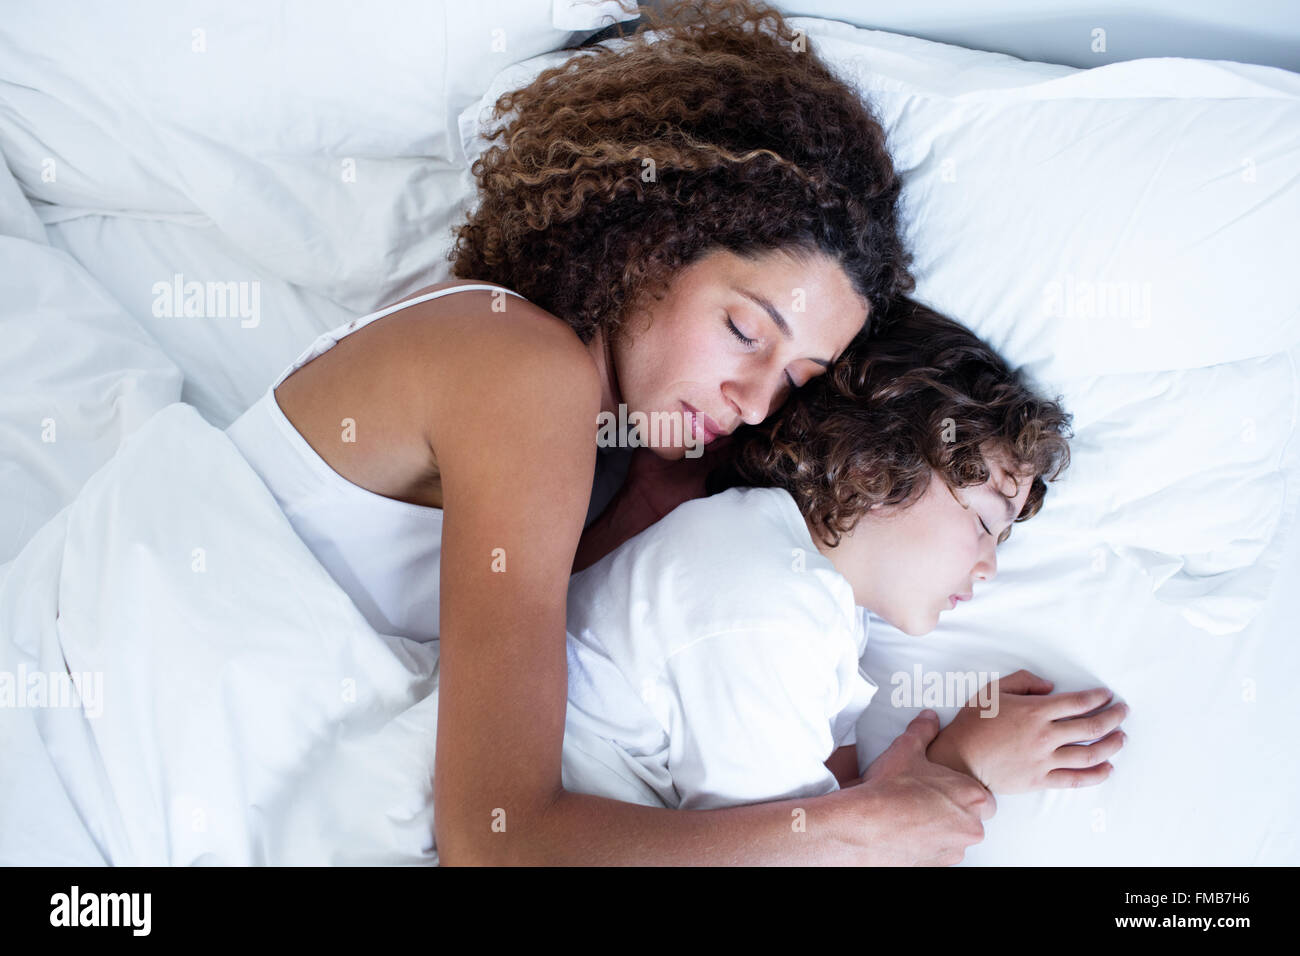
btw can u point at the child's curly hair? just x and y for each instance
(919, 394)
(623, 166)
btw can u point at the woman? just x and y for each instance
(691, 226)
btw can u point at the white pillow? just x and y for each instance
(1132, 217)
(587, 15)
(482, 38)
(340, 79)
(1192, 475)
(320, 142)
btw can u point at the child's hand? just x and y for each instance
(1033, 742)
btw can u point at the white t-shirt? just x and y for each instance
(713, 660)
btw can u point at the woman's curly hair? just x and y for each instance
(920, 394)
(622, 166)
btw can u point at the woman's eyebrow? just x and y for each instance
(782, 325)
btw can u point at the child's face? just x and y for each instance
(907, 565)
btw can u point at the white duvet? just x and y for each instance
(235, 706)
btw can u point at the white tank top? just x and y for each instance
(384, 553)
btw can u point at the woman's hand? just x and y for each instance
(917, 812)
(1035, 740)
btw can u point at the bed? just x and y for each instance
(1124, 233)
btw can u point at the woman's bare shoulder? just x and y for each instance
(490, 332)
(498, 299)
(493, 318)
(514, 413)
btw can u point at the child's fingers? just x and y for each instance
(1024, 682)
(1065, 779)
(1079, 702)
(1090, 728)
(1089, 755)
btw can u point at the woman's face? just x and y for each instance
(691, 363)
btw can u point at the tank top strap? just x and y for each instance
(327, 340)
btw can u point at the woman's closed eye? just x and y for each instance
(750, 343)
(738, 334)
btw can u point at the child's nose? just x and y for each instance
(986, 569)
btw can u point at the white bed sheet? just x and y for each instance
(235, 707)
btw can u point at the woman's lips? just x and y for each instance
(954, 598)
(704, 427)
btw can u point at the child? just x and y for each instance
(713, 658)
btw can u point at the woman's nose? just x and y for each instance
(754, 401)
(743, 404)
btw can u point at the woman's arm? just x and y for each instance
(513, 428)
(843, 763)
(904, 811)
